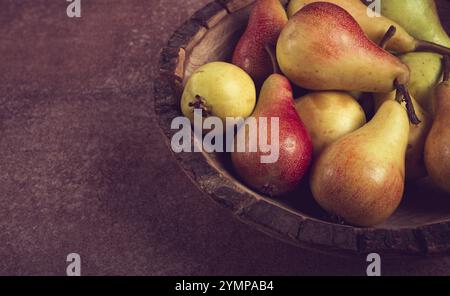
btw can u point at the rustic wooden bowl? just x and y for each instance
(420, 226)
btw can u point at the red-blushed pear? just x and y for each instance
(437, 147)
(410, 13)
(292, 144)
(266, 21)
(360, 177)
(323, 48)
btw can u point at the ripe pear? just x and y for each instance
(361, 177)
(323, 48)
(415, 163)
(294, 143)
(426, 73)
(376, 27)
(328, 116)
(437, 147)
(418, 17)
(266, 21)
(219, 89)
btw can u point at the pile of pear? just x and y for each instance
(357, 156)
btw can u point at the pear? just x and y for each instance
(323, 48)
(293, 142)
(418, 17)
(360, 178)
(437, 147)
(426, 69)
(328, 116)
(219, 89)
(415, 164)
(357, 95)
(266, 21)
(376, 27)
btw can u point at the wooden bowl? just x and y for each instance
(421, 225)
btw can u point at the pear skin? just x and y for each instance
(375, 27)
(328, 116)
(360, 177)
(295, 146)
(426, 73)
(221, 89)
(418, 17)
(415, 163)
(266, 21)
(437, 147)
(323, 48)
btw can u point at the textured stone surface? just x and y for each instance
(83, 168)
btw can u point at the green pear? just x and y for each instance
(426, 72)
(361, 176)
(418, 17)
(328, 116)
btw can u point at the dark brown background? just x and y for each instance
(83, 167)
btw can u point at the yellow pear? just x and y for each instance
(361, 177)
(219, 89)
(415, 164)
(329, 116)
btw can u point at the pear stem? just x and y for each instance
(409, 104)
(432, 47)
(446, 67)
(388, 36)
(273, 59)
(402, 92)
(398, 96)
(200, 103)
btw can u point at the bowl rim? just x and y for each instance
(265, 214)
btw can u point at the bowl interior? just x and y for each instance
(422, 204)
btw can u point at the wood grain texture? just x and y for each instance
(420, 226)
